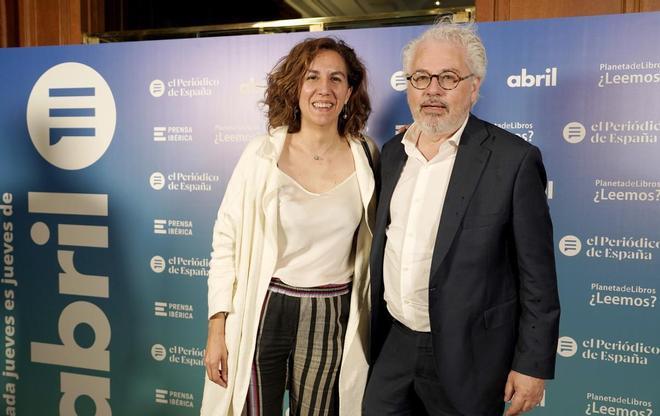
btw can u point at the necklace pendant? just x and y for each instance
(317, 157)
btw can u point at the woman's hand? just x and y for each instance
(215, 356)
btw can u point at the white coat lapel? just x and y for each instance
(270, 151)
(365, 177)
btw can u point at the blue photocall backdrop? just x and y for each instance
(115, 157)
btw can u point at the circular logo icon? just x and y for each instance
(398, 81)
(566, 347)
(157, 181)
(157, 88)
(157, 264)
(570, 245)
(158, 352)
(40, 233)
(574, 132)
(71, 116)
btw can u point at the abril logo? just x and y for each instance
(71, 116)
(525, 80)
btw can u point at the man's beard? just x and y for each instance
(438, 124)
(435, 125)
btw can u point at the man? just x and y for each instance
(465, 310)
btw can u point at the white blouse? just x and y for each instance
(316, 232)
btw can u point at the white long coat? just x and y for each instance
(243, 261)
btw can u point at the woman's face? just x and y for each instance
(324, 90)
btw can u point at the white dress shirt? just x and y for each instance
(415, 211)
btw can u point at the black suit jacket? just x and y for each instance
(493, 301)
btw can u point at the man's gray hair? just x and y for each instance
(464, 35)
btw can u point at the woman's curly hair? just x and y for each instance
(285, 80)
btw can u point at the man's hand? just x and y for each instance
(523, 391)
(215, 356)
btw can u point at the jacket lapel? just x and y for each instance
(391, 171)
(469, 164)
(270, 151)
(365, 178)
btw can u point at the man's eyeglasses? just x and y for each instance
(448, 80)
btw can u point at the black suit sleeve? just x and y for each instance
(539, 301)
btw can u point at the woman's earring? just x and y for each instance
(344, 115)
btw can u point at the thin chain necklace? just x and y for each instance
(320, 156)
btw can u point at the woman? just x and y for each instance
(288, 284)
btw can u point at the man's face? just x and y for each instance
(437, 111)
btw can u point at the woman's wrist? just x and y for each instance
(217, 323)
(219, 315)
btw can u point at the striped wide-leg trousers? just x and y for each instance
(299, 346)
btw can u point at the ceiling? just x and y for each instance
(319, 8)
(163, 19)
